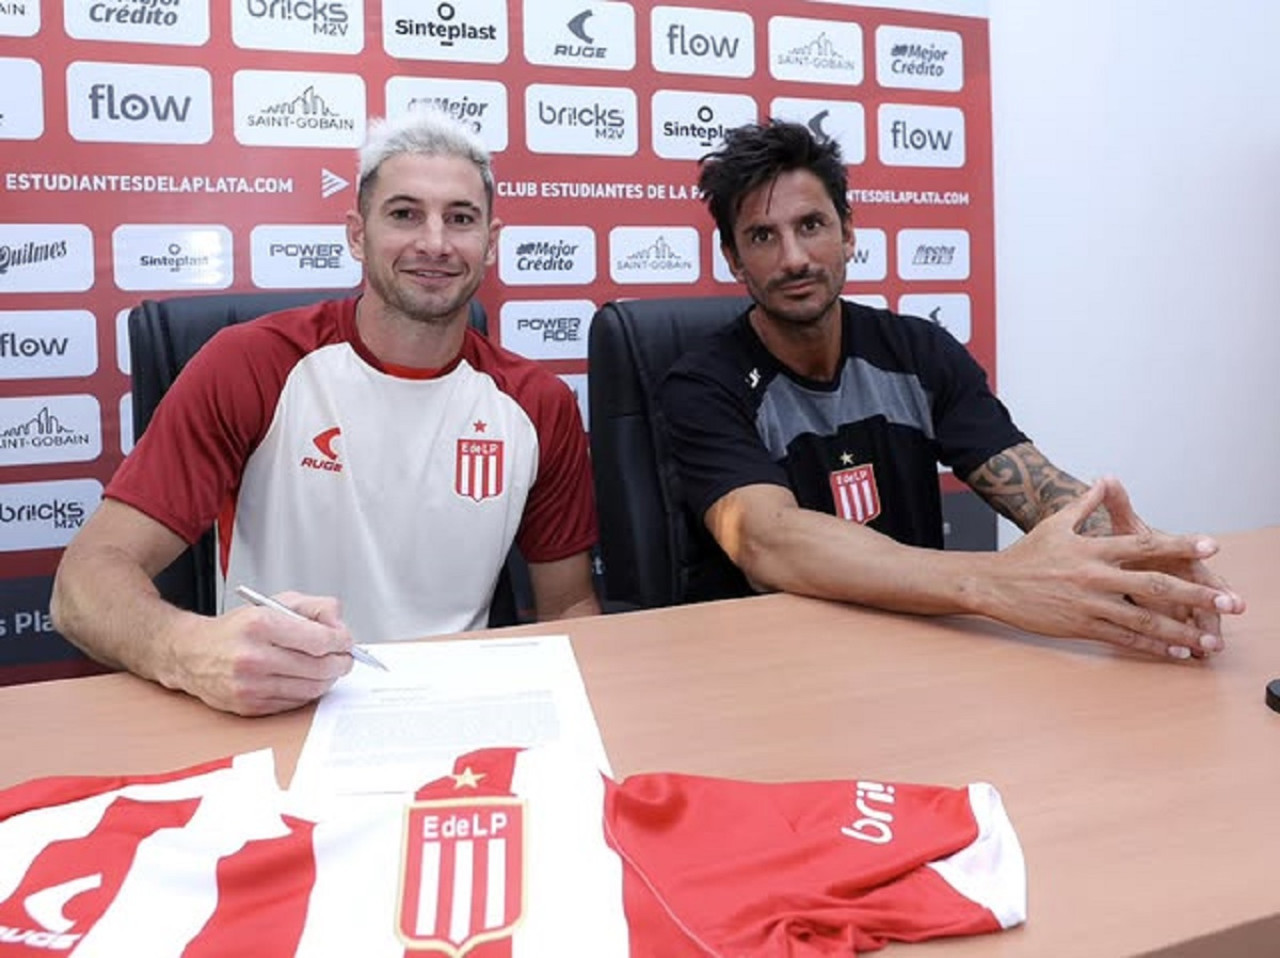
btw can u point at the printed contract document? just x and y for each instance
(392, 731)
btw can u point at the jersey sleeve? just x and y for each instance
(814, 868)
(560, 515)
(713, 438)
(190, 459)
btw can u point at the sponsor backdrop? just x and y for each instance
(166, 147)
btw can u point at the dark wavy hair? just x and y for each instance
(755, 154)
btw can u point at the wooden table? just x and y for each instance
(1146, 793)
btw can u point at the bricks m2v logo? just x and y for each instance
(462, 878)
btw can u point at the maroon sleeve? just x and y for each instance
(560, 515)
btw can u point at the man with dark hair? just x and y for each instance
(808, 435)
(376, 449)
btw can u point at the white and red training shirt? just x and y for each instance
(329, 473)
(517, 854)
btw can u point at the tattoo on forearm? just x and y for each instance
(1024, 487)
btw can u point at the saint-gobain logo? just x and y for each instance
(45, 515)
(44, 429)
(654, 255)
(581, 119)
(815, 51)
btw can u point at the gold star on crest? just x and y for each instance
(466, 778)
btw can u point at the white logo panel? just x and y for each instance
(20, 19)
(48, 344)
(45, 515)
(720, 271)
(175, 22)
(45, 258)
(870, 259)
(123, 359)
(867, 299)
(593, 120)
(36, 430)
(136, 103)
(549, 329)
(299, 109)
(815, 51)
(577, 383)
(933, 254)
(914, 59)
(302, 257)
(126, 424)
(478, 104)
(21, 99)
(687, 125)
(547, 255)
(595, 36)
(149, 257)
(641, 255)
(705, 42)
(952, 311)
(308, 26)
(844, 122)
(474, 31)
(913, 135)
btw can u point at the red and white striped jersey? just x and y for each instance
(514, 855)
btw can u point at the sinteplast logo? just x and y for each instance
(474, 31)
(687, 125)
(162, 256)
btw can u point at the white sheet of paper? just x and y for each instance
(394, 731)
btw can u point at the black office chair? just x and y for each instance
(163, 336)
(646, 542)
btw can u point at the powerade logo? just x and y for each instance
(45, 515)
(687, 126)
(311, 26)
(913, 59)
(293, 257)
(547, 329)
(815, 51)
(132, 103)
(592, 36)
(546, 256)
(180, 22)
(478, 104)
(48, 344)
(578, 120)
(706, 42)
(473, 31)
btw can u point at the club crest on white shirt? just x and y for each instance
(462, 874)
(478, 472)
(856, 496)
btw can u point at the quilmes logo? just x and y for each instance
(952, 311)
(177, 22)
(577, 120)
(933, 254)
(478, 104)
(45, 258)
(547, 329)
(687, 126)
(19, 18)
(842, 121)
(474, 31)
(45, 515)
(134, 103)
(293, 257)
(21, 99)
(593, 36)
(914, 59)
(151, 257)
(43, 429)
(913, 135)
(870, 259)
(547, 255)
(310, 26)
(815, 51)
(48, 344)
(318, 110)
(707, 42)
(643, 254)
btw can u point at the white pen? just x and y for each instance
(257, 598)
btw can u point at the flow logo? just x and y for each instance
(45, 258)
(815, 51)
(135, 103)
(933, 254)
(913, 135)
(310, 26)
(298, 257)
(547, 329)
(478, 104)
(644, 254)
(843, 121)
(35, 430)
(595, 36)
(171, 22)
(276, 108)
(21, 99)
(474, 31)
(48, 344)
(705, 42)
(156, 257)
(687, 126)
(547, 255)
(577, 120)
(914, 59)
